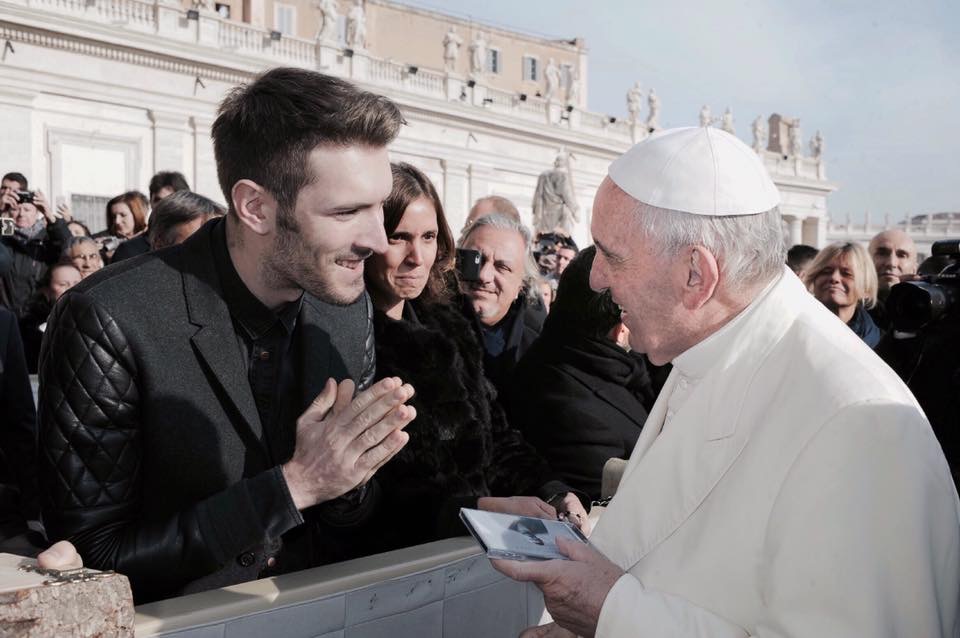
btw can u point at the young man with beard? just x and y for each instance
(199, 422)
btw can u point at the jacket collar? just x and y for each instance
(672, 472)
(216, 340)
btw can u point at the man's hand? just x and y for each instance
(63, 210)
(61, 555)
(9, 202)
(572, 511)
(342, 441)
(518, 506)
(573, 590)
(40, 201)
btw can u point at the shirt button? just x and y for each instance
(264, 355)
(246, 559)
(271, 562)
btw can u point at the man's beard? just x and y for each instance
(293, 264)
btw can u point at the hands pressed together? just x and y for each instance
(343, 440)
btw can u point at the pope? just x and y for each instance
(786, 483)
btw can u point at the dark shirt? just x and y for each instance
(265, 338)
(863, 325)
(131, 248)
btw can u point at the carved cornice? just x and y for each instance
(128, 55)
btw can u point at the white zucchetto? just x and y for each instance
(699, 170)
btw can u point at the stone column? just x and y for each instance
(815, 231)
(172, 142)
(456, 191)
(204, 178)
(795, 224)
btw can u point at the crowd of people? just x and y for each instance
(323, 370)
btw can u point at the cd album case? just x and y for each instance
(512, 537)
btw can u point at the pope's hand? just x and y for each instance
(553, 630)
(518, 506)
(61, 555)
(573, 590)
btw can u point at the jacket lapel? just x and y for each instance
(674, 469)
(215, 341)
(314, 352)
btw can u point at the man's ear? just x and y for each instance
(703, 275)
(256, 208)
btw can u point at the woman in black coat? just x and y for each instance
(461, 452)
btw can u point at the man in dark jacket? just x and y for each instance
(197, 414)
(37, 241)
(18, 439)
(503, 301)
(579, 396)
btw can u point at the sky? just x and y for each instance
(880, 80)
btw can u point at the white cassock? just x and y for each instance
(786, 484)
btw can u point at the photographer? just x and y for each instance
(38, 237)
(927, 357)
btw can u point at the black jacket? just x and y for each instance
(580, 401)
(461, 446)
(131, 248)
(522, 324)
(152, 455)
(30, 259)
(18, 427)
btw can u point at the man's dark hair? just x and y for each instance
(167, 179)
(798, 256)
(566, 241)
(266, 130)
(577, 307)
(20, 178)
(179, 208)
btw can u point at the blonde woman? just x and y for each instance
(843, 279)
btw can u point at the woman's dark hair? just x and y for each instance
(138, 204)
(410, 184)
(86, 230)
(176, 209)
(577, 307)
(266, 130)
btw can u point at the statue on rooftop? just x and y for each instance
(357, 26)
(552, 76)
(816, 146)
(705, 117)
(451, 49)
(726, 122)
(653, 118)
(634, 96)
(759, 134)
(478, 54)
(328, 20)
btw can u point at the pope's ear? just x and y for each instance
(703, 275)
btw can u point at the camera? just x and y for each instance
(469, 263)
(25, 197)
(913, 305)
(108, 243)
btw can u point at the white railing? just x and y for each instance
(124, 12)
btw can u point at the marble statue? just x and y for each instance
(796, 139)
(705, 116)
(555, 207)
(634, 96)
(816, 145)
(573, 90)
(357, 26)
(478, 54)
(726, 122)
(451, 49)
(653, 118)
(759, 134)
(552, 75)
(328, 20)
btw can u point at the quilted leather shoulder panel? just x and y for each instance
(89, 435)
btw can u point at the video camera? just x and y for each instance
(913, 305)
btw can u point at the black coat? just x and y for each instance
(523, 324)
(152, 454)
(580, 401)
(461, 446)
(29, 261)
(18, 428)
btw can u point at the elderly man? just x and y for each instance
(503, 300)
(894, 256)
(780, 487)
